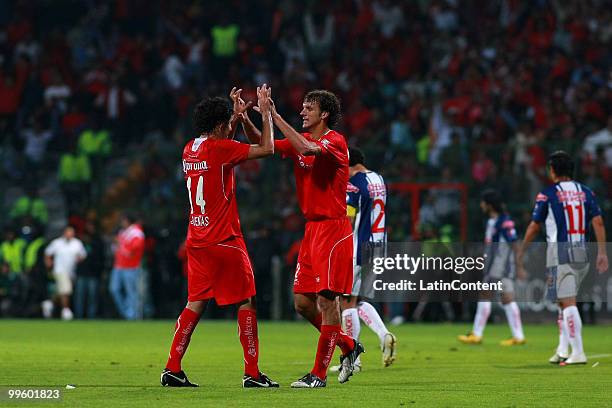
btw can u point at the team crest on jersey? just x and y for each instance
(325, 142)
(351, 188)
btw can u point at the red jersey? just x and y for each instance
(130, 247)
(320, 180)
(208, 165)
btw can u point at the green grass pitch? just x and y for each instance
(116, 364)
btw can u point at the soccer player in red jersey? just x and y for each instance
(218, 264)
(325, 262)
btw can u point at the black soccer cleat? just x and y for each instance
(309, 381)
(262, 382)
(347, 362)
(172, 379)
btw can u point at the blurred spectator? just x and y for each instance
(7, 289)
(95, 141)
(115, 102)
(62, 255)
(601, 138)
(89, 273)
(126, 277)
(74, 176)
(30, 205)
(12, 251)
(35, 274)
(57, 93)
(319, 30)
(36, 140)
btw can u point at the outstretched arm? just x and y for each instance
(302, 145)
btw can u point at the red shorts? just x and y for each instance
(325, 261)
(221, 271)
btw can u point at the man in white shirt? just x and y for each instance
(63, 254)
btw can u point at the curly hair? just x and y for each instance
(210, 113)
(328, 102)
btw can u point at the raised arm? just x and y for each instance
(301, 145)
(265, 146)
(249, 128)
(239, 110)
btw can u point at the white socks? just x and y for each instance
(563, 347)
(483, 310)
(370, 317)
(573, 325)
(350, 322)
(513, 314)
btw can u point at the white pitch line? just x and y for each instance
(599, 355)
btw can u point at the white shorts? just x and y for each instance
(63, 283)
(569, 278)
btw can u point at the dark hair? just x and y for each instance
(356, 156)
(210, 113)
(493, 198)
(562, 163)
(131, 216)
(328, 102)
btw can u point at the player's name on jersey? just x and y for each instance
(199, 220)
(439, 285)
(194, 166)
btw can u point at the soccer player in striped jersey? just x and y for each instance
(566, 209)
(500, 237)
(366, 201)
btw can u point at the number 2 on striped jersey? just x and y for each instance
(199, 198)
(376, 227)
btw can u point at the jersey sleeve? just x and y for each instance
(334, 147)
(284, 147)
(508, 230)
(592, 208)
(232, 151)
(540, 211)
(352, 195)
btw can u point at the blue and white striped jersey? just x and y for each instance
(566, 209)
(499, 236)
(367, 194)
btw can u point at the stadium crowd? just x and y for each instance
(96, 100)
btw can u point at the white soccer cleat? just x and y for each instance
(336, 368)
(47, 309)
(67, 314)
(388, 349)
(557, 358)
(576, 359)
